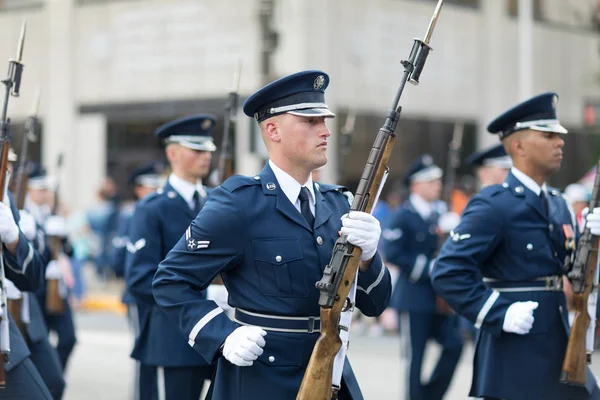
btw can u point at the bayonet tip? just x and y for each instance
(21, 41)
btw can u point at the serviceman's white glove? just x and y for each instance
(519, 317)
(448, 221)
(244, 345)
(53, 270)
(363, 230)
(56, 225)
(592, 221)
(218, 294)
(9, 231)
(27, 225)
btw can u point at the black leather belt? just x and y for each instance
(278, 323)
(552, 283)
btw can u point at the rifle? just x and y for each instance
(13, 87)
(340, 274)
(55, 304)
(346, 140)
(19, 188)
(225, 167)
(454, 148)
(584, 279)
(453, 162)
(21, 176)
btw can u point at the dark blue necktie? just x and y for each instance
(197, 204)
(544, 201)
(305, 206)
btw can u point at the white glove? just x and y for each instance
(244, 345)
(220, 295)
(519, 317)
(27, 225)
(9, 231)
(56, 225)
(363, 230)
(53, 270)
(592, 221)
(448, 221)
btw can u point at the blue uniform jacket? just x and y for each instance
(505, 236)
(119, 248)
(26, 271)
(269, 258)
(410, 242)
(158, 222)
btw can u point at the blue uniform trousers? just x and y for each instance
(24, 382)
(45, 358)
(417, 329)
(177, 383)
(64, 327)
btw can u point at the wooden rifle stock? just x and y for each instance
(340, 274)
(583, 279)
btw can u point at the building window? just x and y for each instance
(582, 14)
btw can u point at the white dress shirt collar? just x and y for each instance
(528, 182)
(291, 187)
(187, 189)
(423, 208)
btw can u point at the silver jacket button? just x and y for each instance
(278, 258)
(271, 358)
(529, 246)
(319, 240)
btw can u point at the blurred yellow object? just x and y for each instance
(103, 303)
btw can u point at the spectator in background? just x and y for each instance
(103, 219)
(578, 198)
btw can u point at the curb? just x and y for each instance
(103, 303)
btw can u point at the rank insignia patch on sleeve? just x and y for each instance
(194, 244)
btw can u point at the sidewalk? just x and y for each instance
(101, 296)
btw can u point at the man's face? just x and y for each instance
(491, 175)
(304, 140)
(143, 191)
(195, 163)
(542, 150)
(41, 196)
(429, 191)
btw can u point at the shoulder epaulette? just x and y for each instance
(239, 181)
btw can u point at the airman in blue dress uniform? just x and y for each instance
(502, 266)
(158, 222)
(43, 354)
(491, 165)
(40, 195)
(145, 179)
(270, 237)
(24, 267)
(411, 242)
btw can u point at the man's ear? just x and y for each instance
(271, 129)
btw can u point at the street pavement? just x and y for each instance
(100, 368)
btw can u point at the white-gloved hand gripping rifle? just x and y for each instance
(339, 276)
(584, 279)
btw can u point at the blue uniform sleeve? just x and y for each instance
(396, 250)
(374, 288)
(144, 252)
(27, 268)
(457, 275)
(119, 248)
(213, 243)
